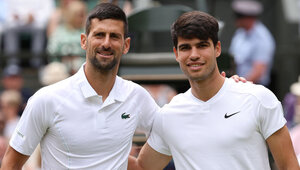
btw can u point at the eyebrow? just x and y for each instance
(200, 42)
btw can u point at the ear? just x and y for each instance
(83, 41)
(176, 53)
(126, 45)
(218, 49)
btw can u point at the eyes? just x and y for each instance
(200, 45)
(114, 36)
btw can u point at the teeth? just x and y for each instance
(105, 54)
(195, 65)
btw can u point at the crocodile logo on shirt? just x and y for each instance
(125, 116)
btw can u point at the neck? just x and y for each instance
(250, 24)
(206, 89)
(101, 82)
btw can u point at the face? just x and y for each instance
(78, 17)
(244, 22)
(197, 58)
(105, 44)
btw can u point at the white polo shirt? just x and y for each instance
(226, 132)
(77, 131)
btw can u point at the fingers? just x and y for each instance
(223, 74)
(237, 78)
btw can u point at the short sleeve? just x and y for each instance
(32, 126)
(147, 112)
(156, 140)
(271, 119)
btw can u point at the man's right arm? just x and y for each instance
(148, 159)
(13, 160)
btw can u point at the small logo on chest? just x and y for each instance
(226, 116)
(125, 116)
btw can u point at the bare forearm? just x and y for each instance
(13, 160)
(10, 165)
(282, 150)
(133, 164)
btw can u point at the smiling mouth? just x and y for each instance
(105, 53)
(195, 65)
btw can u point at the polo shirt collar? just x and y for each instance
(117, 93)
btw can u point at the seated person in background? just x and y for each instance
(64, 43)
(292, 111)
(12, 79)
(291, 105)
(56, 17)
(10, 102)
(52, 73)
(26, 17)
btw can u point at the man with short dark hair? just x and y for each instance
(216, 124)
(86, 121)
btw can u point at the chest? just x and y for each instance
(210, 129)
(89, 127)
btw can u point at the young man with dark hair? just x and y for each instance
(216, 124)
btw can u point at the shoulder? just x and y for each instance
(260, 93)
(130, 88)
(62, 88)
(128, 85)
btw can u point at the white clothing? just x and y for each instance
(79, 131)
(40, 9)
(199, 136)
(255, 45)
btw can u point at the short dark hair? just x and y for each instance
(107, 11)
(195, 24)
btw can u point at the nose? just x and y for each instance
(194, 54)
(106, 42)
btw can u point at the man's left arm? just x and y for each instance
(282, 150)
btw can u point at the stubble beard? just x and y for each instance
(207, 73)
(103, 67)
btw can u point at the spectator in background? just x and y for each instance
(252, 44)
(56, 17)
(291, 107)
(11, 102)
(64, 43)
(29, 17)
(53, 72)
(12, 79)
